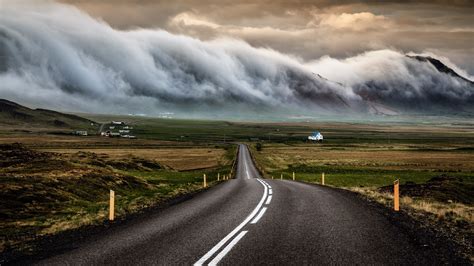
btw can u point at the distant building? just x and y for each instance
(80, 133)
(110, 134)
(316, 136)
(118, 123)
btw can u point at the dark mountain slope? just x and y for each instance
(440, 66)
(14, 114)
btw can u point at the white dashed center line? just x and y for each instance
(258, 209)
(227, 248)
(268, 199)
(260, 214)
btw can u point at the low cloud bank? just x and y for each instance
(55, 56)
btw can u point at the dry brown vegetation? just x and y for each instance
(50, 191)
(397, 156)
(453, 219)
(180, 159)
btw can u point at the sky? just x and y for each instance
(228, 59)
(308, 29)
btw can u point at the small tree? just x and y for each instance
(258, 146)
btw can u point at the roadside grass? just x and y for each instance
(451, 213)
(436, 179)
(46, 193)
(357, 177)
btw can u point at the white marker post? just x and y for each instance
(281, 177)
(322, 179)
(218, 176)
(204, 181)
(112, 205)
(293, 176)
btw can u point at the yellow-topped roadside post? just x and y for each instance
(293, 176)
(112, 205)
(396, 196)
(204, 181)
(322, 179)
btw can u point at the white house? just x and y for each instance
(316, 136)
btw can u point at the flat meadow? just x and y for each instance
(53, 181)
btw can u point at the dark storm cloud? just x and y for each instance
(56, 55)
(308, 29)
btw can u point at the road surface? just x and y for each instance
(248, 221)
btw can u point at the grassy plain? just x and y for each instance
(434, 163)
(59, 181)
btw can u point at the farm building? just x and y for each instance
(80, 133)
(109, 134)
(316, 136)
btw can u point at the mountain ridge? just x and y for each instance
(12, 113)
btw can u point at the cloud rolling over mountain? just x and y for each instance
(56, 56)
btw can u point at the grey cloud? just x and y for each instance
(58, 56)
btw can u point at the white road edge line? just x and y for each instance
(227, 248)
(270, 191)
(237, 229)
(260, 214)
(268, 200)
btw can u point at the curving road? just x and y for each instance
(248, 221)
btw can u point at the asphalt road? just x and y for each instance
(249, 221)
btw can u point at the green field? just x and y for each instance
(63, 180)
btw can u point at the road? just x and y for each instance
(248, 221)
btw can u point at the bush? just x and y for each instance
(258, 146)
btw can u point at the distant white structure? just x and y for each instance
(316, 136)
(118, 123)
(80, 133)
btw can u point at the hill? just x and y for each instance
(440, 66)
(13, 114)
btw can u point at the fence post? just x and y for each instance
(112, 205)
(322, 179)
(396, 198)
(204, 181)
